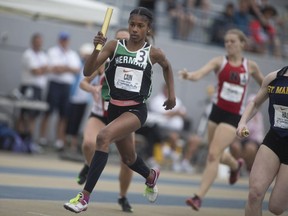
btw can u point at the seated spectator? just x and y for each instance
(221, 24)
(248, 147)
(172, 126)
(242, 16)
(151, 5)
(263, 32)
(182, 19)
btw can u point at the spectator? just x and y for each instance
(151, 5)
(79, 100)
(172, 124)
(221, 24)
(263, 32)
(64, 63)
(247, 148)
(182, 19)
(33, 83)
(242, 16)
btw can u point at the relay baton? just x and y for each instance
(105, 25)
(245, 133)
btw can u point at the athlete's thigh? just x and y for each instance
(92, 128)
(279, 195)
(122, 126)
(224, 135)
(126, 147)
(263, 170)
(211, 127)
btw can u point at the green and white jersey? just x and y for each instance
(129, 74)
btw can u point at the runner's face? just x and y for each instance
(233, 45)
(138, 27)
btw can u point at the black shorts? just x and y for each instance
(101, 118)
(140, 110)
(279, 145)
(74, 118)
(58, 97)
(31, 93)
(219, 115)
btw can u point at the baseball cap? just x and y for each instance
(64, 36)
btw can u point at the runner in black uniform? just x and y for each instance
(272, 157)
(129, 80)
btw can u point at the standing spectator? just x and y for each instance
(64, 64)
(33, 83)
(270, 167)
(233, 73)
(221, 24)
(247, 148)
(78, 102)
(128, 76)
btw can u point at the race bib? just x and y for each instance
(281, 116)
(231, 92)
(128, 79)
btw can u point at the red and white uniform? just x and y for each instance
(232, 86)
(99, 106)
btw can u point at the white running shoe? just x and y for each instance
(151, 190)
(151, 193)
(77, 204)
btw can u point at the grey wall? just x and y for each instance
(15, 32)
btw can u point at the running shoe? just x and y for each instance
(151, 190)
(195, 202)
(77, 204)
(123, 202)
(81, 179)
(234, 175)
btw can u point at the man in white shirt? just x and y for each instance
(33, 83)
(64, 63)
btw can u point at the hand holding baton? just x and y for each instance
(105, 25)
(245, 132)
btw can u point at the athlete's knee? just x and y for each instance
(255, 195)
(128, 159)
(103, 139)
(275, 209)
(88, 145)
(212, 157)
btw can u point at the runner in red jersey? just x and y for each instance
(232, 71)
(232, 86)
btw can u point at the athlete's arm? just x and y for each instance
(253, 107)
(255, 72)
(97, 58)
(212, 65)
(157, 56)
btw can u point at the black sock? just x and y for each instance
(97, 165)
(140, 167)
